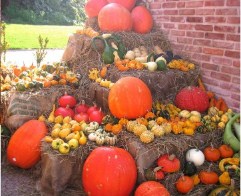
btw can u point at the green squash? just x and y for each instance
(225, 190)
(189, 169)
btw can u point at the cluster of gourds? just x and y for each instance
(32, 77)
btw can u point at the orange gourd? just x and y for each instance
(151, 188)
(24, 145)
(184, 184)
(93, 7)
(128, 4)
(129, 98)
(208, 177)
(114, 17)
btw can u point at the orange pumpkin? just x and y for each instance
(151, 188)
(93, 7)
(24, 145)
(142, 19)
(184, 184)
(208, 177)
(129, 98)
(128, 4)
(119, 15)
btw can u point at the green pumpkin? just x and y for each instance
(189, 169)
(161, 65)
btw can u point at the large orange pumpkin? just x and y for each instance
(24, 146)
(128, 4)
(114, 17)
(93, 7)
(151, 188)
(142, 19)
(129, 98)
(109, 171)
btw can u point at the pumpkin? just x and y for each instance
(142, 20)
(196, 156)
(119, 15)
(151, 188)
(128, 4)
(93, 7)
(211, 154)
(192, 98)
(24, 146)
(169, 163)
(208, 177)
(129, 98)
(115, 173)
(225, 151)
(184, 184)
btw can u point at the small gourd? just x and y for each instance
(111, 139)
(130, 125)
(196, 156)
(139, 129)
(100, 139)
(92, 137)
(147, 137)
(158, 130)
(94, 125)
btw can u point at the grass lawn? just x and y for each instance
(21, 36)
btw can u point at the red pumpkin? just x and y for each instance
(211, 154)
(142, 20)
(192, 98)
(64, 111)
(67, 100)
(169, 163)
(151, 188)
(24, 146)
(93, 7)
(184, 184)
(208, 177)
(114, 17)
(109, 171)
(128, 4)
(129, 98)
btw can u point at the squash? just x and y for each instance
(169, 163)
(189, 168)
(24, 146)
(128, 4)
(150, 188)
(184, 184)
(93, 7)
(115, 165)
(196, 156)
(208, 177)
(129, 98)
(225, 190)
(119, 15)
(142, 19)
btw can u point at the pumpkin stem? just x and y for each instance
(156, 169)
(172, 157)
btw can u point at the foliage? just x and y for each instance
(41, 52)
(3, 43)
(55, 12)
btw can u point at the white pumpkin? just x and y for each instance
(196, 156)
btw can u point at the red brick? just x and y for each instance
(213, 51)
(237, 46)
(235, 106)
(191, 48)
(235, 97)
(236, 80)
(235, 88)
(233, 37)
(214, 19)
(181, 4)
(222, 44)
(186, 26)
(227, 11)
(170, 12)
(204, 27)
(220, 36)
(155, 5)
(194, 19)
(194, 4)
(162, 18)
(185, 40)
(221, 60)
(221, 76)
(205, 11)
(169, 5)
(210, 81)
(169, 25)
(214, 3)
(236, 63)
(202, 42)
(201, 57)
(210, 66)
(196, 34)
(230, 29)
(187, 12)
(233, 54)
(177, 32)
(177, 19)
(233, 3)
(233, 20)
(229, 70)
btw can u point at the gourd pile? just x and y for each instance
(72, 125)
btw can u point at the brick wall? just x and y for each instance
(208, 31)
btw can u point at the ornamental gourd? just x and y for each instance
(142, 20)
(114, 174)
(150, 188)
(129, 98)
(128, 4)
(24, 145)
(192, 98)
(93, 7)
(119, 15)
